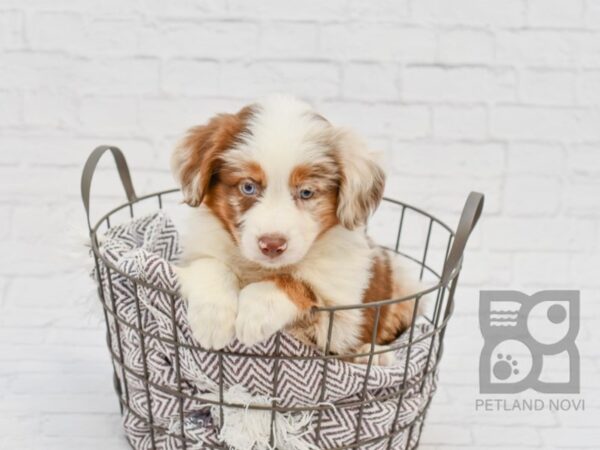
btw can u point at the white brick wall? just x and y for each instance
(497, 96)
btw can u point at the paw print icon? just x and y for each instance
(526, 337)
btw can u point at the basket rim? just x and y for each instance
(95, 246)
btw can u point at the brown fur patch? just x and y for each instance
(298, 291)
(224, 197)
(323, 178)
(394, 318)
(198, 157)
(249, 170)
(327, 211)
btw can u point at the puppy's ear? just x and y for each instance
(197, 158)
(362, 180)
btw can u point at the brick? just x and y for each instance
(386, 9)
(11, 30)
(429, 83)
(584, 162)
(67, 354)
(43, 151)
(581, 437)
(159, 115)
(191, 77)
(74, 383)
(313, 10)
(305, 79)
(420, 190)
(538, 234)
(583, 198)
(536, 48)
(365, 42)
(206, 39)
(487, 269)
(21, 260)
(471, 12)
(466, 46)
(52, 109)
(496, 435)
(11, 108)
(467, 159)
(542, 269)
(405, 121)
(108, 114)
(84, 404)
(446, 435)
(116, 441)
(555, 13)
(5, 225)
(587, 49)
(55, 30)
(21, 336)
(73, 425)
(288, 40)
(185, 9)
(589, 87)
(519, 122)
(19, 425)
(22, 70)
(541, 87)
(370, 81)
(531, 195)
(592, 14)
(457, 122)
(25, 221)
(531, 158)
(114, 36)
(108, 76)
(17, 183)
(93, 337)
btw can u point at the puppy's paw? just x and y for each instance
(213, 322)
(380, 359)
(263, 310)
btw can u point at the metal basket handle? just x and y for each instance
(90, 168)
(468, 219)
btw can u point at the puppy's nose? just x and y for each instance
(272, 245)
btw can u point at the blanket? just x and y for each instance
(174, 381)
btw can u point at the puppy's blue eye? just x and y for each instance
(305, 194)
(248, 188)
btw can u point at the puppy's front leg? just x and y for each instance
(267, 306)
(211, 289)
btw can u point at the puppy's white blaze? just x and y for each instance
(283, 135)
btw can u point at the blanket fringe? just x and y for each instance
(250, 429)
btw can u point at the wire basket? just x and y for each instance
(433, 248)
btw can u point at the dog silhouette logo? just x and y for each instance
(529, 342)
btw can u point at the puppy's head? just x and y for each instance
(278, 176)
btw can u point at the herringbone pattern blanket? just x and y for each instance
(145, 248)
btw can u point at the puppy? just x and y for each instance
(281, 198)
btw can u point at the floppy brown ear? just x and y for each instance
(196, 160)
(362, 180)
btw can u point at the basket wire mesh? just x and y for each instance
(442, 276)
